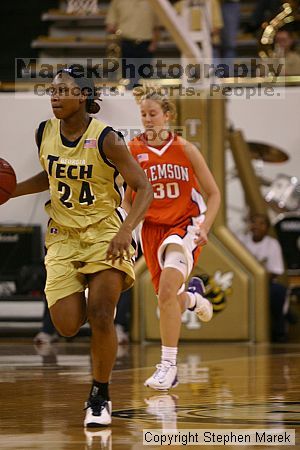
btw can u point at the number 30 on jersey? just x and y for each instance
(168, 190)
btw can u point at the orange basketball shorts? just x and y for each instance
(156, 237)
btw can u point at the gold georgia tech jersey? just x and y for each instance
(82, 180)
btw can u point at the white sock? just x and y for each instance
(169, 354)
(191, 303)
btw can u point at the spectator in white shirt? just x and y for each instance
(267, 251)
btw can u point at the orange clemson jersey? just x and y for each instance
(176, 190)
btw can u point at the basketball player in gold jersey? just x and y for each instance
(89, 238)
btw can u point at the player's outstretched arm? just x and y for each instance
(33, 185)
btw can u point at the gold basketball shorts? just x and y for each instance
(73, 253)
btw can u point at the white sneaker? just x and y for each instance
(122, 336)
(163, 406)
(164, 378)
(203, 307)
(102, 438)
(98, 412)
(45, 338)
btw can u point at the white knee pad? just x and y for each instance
(177, 260)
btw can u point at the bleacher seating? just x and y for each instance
(71, 34)
(54, 33)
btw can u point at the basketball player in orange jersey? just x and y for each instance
(176, 225)
(89, 238)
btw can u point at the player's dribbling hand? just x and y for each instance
(201, 235)
(119, 246)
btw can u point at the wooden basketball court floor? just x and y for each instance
(222, 386)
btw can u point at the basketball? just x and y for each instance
(8, 181)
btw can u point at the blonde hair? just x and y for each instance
(156, 94)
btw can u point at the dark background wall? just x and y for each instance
(20, 23)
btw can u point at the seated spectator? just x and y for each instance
(267, 251)
(285, 48)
